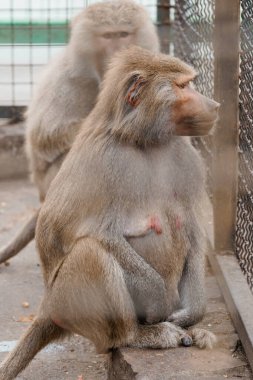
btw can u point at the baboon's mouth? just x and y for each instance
(192, 127)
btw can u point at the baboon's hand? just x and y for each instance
(149, 295)
(186, 317)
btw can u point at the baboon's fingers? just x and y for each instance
(186, 317)
(161, 335)
(20, 241)
(203, 338)
(40, 333)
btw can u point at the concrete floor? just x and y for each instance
(75, 359)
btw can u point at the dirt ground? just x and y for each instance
(21, 289)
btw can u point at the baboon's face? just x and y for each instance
(194, 114)
(191, 113)
(110, 41)
(151, 97)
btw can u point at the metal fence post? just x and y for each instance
(233, 284)
(226, 91)
(164, 24)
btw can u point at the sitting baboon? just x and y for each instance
(68, 89)
(120, 234)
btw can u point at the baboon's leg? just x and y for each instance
(40, 333)
(90, 297)
(20, 241)
(192, 295)
(192, 291)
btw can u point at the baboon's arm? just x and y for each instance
(145, 285)
(191, 291)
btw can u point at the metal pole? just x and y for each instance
(226, 91)
(164, 24)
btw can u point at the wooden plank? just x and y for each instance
(225, 171)
(238, 298)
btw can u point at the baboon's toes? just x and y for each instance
(173, 335)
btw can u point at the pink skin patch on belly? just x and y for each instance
(155, 224)
(178, 223)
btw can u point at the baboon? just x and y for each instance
(120, 234)
(68, 89)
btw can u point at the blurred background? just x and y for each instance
(32, 31)
(216, 37)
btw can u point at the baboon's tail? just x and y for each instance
(21, 240)
(39, 334)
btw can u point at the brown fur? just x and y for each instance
(69, 87)
(126, 165)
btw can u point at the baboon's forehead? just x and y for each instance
(114, 13)
(174, 66)
(169, 66)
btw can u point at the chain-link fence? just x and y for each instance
(244, 225)
(193, 42)
(194, 23)
(30, 33)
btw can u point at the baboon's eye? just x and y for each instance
(123, 34)
(183, 85)
(107, 35)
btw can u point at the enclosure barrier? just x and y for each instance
(244, 225)
(216, 37)
(193, 42)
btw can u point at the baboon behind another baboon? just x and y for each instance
(69, 87)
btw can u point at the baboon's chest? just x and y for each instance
(154, 218)
(160, 237)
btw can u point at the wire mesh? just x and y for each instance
(193, 32)
(244, 223)
(31, 32)
(193, 42)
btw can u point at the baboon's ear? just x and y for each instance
(133, 97)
